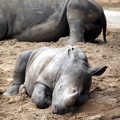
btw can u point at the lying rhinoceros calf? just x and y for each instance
(49, 20)
(61, 76)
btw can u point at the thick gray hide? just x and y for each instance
(49, 20)
(58, 75)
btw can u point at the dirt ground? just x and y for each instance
(104, 102)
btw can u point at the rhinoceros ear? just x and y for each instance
(98, 71)
(70, 53)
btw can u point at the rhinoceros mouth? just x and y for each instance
(62, 111)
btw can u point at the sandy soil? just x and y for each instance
(104, 103)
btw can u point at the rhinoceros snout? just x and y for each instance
(58, 109)
(63, 106)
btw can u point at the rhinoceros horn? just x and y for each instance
(70, 99)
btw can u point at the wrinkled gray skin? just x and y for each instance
(49, 20)
(61, 76)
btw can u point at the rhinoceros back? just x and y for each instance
(45, 66)
(23, 14)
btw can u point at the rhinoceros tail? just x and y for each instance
(104, 30)
(19, 73)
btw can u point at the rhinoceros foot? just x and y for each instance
(11, 91)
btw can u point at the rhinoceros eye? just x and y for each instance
(60, 86)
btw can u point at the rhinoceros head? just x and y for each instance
(72, 82)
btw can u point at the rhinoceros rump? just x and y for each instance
(61, 76)
(49, 20)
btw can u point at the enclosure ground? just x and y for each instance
(104, 102)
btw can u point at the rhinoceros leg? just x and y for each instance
(19, 73)
(75, 24)
(84, 96)
(39, 96)
(82, 99)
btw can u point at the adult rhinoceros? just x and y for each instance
(49, 20)
(61, 76)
